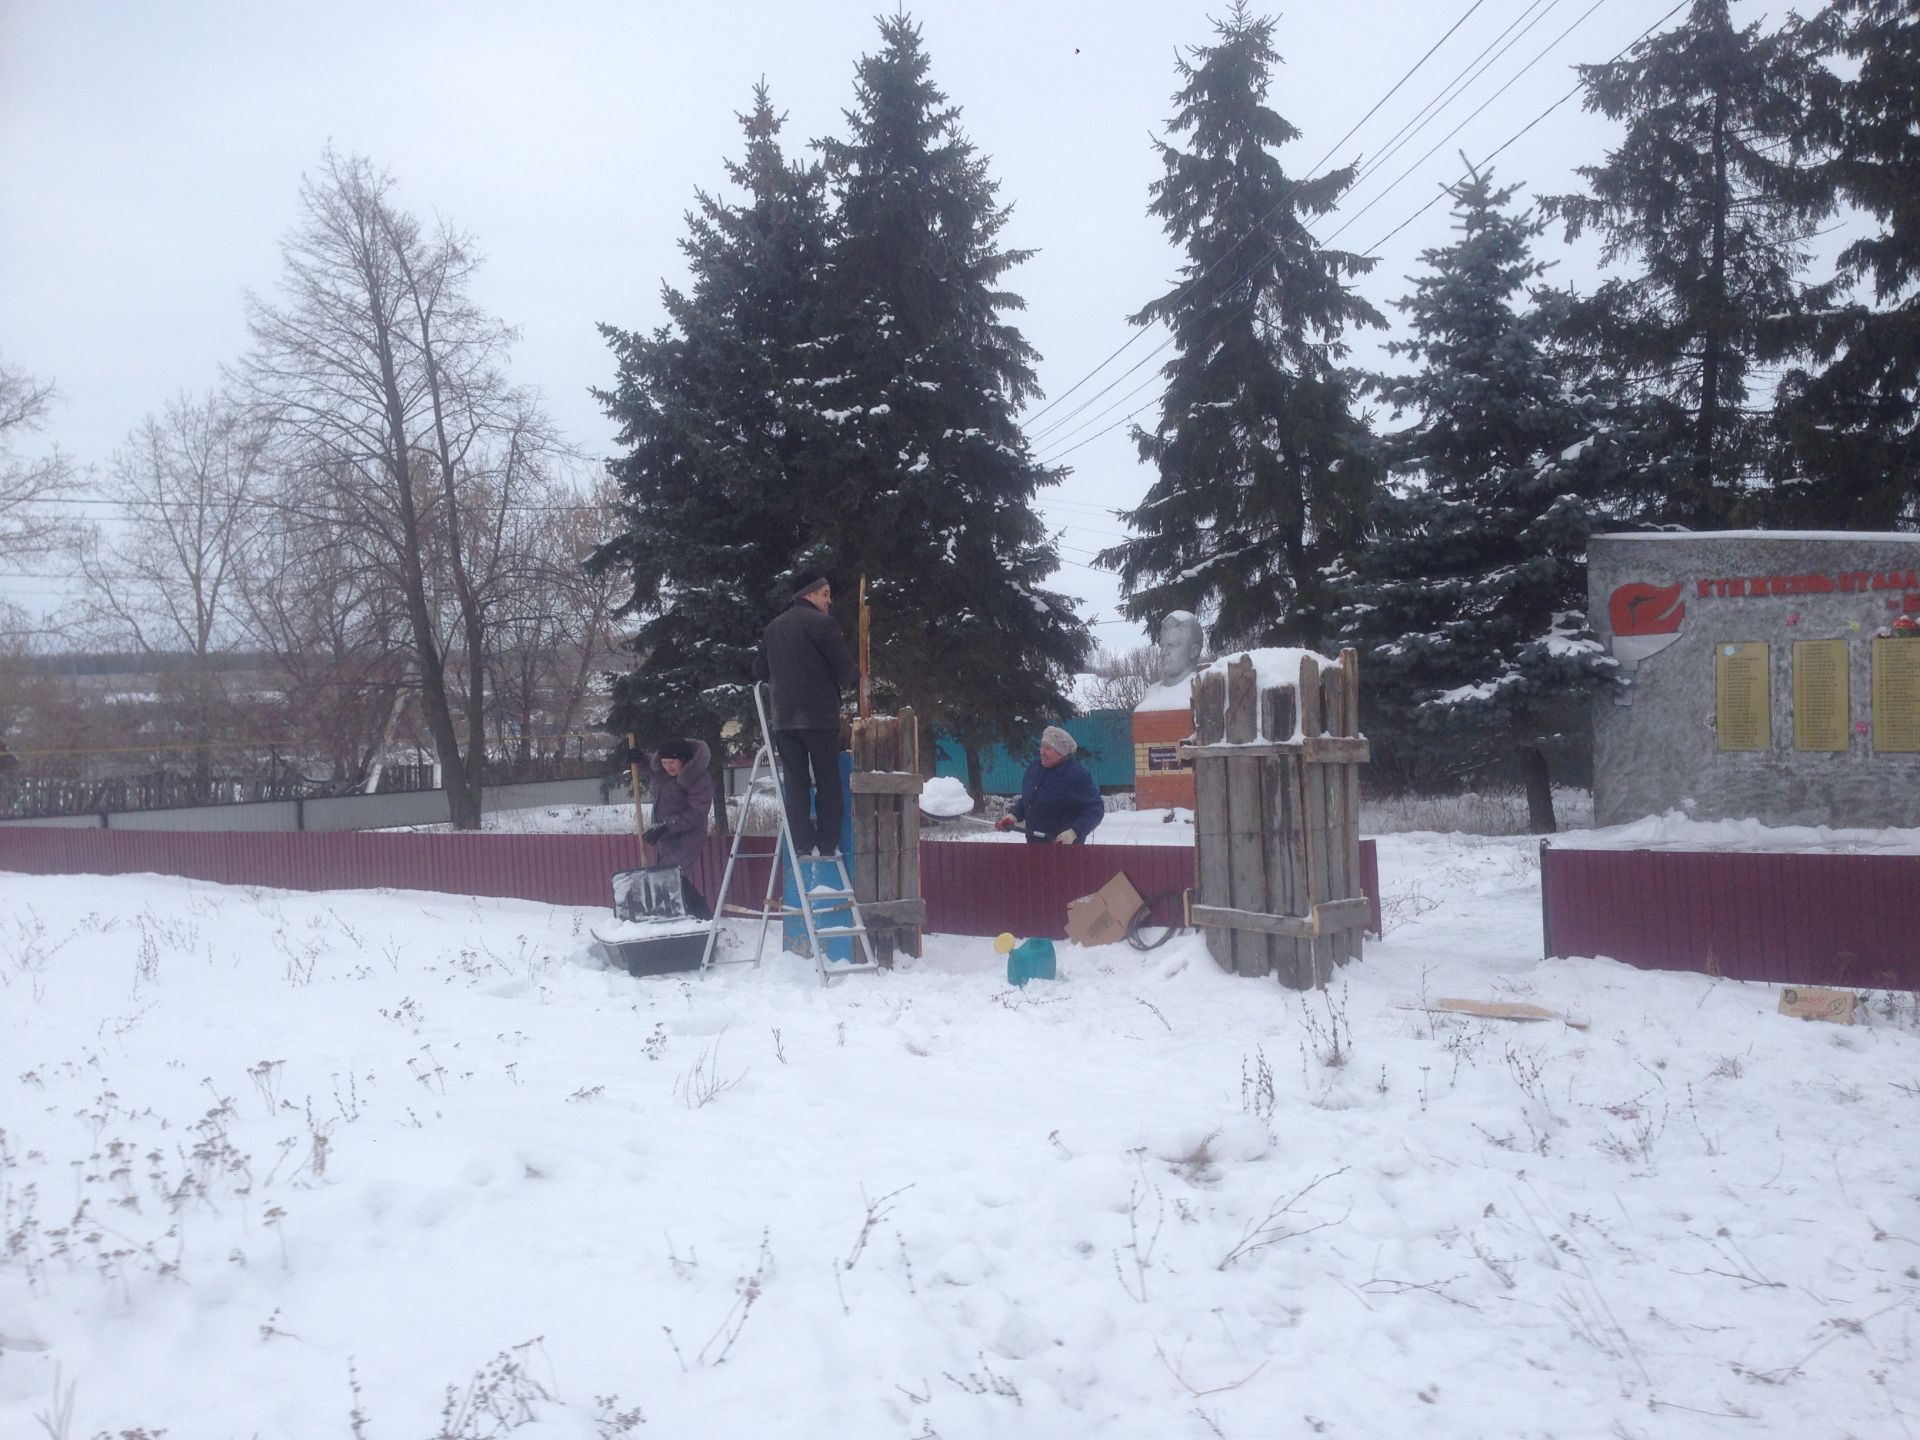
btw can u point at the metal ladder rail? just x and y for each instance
(840, 897)
(842, 893)
(726, 875)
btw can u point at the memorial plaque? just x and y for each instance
(1743, 714)
(1820, 695)
(1896, 695)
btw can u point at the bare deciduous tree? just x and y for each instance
(1121, 678)
(27, 482)
(555, 628)
(332, 630)
(187, 480)
(399, 433)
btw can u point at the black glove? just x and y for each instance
(653, 833)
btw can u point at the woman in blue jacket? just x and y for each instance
(1059, 804)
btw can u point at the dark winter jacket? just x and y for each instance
(1058, 797)
(682, 803)
(802, 652)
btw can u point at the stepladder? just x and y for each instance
(821, 893)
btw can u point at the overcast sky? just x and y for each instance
(151, 154)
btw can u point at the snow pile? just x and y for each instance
(1676, 831)
(290, 1165)
(945, 796)
(1178, 696)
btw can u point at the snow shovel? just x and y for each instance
(653, 893)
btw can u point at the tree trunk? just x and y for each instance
(1710, 423)
(974, 783)
(1533, 770)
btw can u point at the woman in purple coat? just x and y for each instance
(682, 800)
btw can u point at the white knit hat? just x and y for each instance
(1054, 738)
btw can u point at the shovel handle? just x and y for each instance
(639, 820)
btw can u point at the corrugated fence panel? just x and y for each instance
(1781, 918)
(970, 889)
(984, 888)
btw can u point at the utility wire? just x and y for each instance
(1493, 154)
(1220, 259)
(1470, 118)
(1059, 455)
(181, 743)
(1060, 430)
(1452, 90)
(1396, 86)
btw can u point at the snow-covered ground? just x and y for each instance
(392, 1165)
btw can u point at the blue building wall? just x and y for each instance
(1106, 749)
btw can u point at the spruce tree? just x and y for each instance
(1852, 419)
(1262, 464)
(927, 483)
(718, 413)
(1468, 596)
(1711, 196)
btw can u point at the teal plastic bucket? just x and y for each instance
(1030, 960)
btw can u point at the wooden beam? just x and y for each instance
(1316, 749)
(896, 912)
(1222, 917)
(885, 782)
(1326, 917)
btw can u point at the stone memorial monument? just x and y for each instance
(1162, 777)
(1768, 675)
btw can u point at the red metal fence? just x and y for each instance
(970, 889)
(1792, 919)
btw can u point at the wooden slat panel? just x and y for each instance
(897, 912)
(1332, 917)
(1246, 855)
(885, 782)
(1242, 719)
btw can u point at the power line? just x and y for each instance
(1222, 258)
(1057, 456)
(1494, 153)
(1453, 89)
(1396, 87)
(181, 743)
(1470, 118)
(269, 503)
(1054, 433)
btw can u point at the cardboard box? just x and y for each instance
(1102, 917)
(1811, 1003)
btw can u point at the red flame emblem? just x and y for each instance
(1639, 609)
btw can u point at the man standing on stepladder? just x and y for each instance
(803, 655)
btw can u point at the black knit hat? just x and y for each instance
(805, 581)
(681, 750)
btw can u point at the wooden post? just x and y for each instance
(866, 651)
(639, 820)
(908, 932)
(1350, 784)
(1210, 812)
(886, 832)
(1246, 819)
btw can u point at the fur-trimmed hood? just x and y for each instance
(691, 771)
